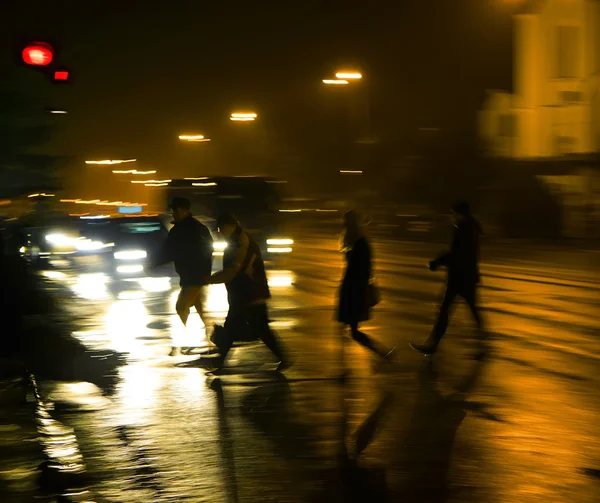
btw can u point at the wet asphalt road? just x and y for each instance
(520, 427)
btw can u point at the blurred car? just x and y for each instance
(123, 245)
(46, 239)
(127, 244)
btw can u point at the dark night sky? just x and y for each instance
(145, 71)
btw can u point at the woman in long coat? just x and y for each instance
(354, 303)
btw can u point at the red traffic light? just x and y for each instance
(61, 75)
(38, 54)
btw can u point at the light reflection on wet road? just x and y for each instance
(527, 432)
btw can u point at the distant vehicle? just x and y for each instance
(256, 201)
(47, 238)
(126, 243)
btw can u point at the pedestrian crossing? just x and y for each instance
(168, 436)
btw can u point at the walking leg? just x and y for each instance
(199, 301)
(184, 302)
(258, 319)
(364, 340)
(441, 324)
(471, 299)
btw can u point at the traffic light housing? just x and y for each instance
(43, 57)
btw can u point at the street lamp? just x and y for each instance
(243, 116)
(344, 78)
(151, 181)
(133, 172)
(348, 75)
(193, 137)
(335, 82)
(118, 161)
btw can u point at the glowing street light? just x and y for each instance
(193, 137)
(151, 181)
(133, 172)
(348, 75)
(243, 116)
(335, 82)
(118, 161)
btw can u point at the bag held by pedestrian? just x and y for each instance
(238, 332)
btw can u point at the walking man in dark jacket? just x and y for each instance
(189, 246)
(248, 292)
(462, 262)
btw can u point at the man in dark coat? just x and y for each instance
(248, 292)
(189, 246)
(462, 262)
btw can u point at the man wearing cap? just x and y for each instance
(189, 246)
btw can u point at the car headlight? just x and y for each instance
(130, 255)
(279, 245)
(90, 245)
(60, 239)
(280, 242)
(219, 248)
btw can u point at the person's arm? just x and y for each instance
(226, 275)
(443, 259)
(206, 249)
(206, 235)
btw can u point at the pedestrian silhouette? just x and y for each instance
(355, 300)
(248, 292)
(462, 262)
(189, 246)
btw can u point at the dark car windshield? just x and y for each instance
(139, 226)
(122, 228)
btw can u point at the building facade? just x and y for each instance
(555, 107)
(553, 113)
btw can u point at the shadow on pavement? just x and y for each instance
(428, 447)
(230, 483)
(591, 472)
(271, 411)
